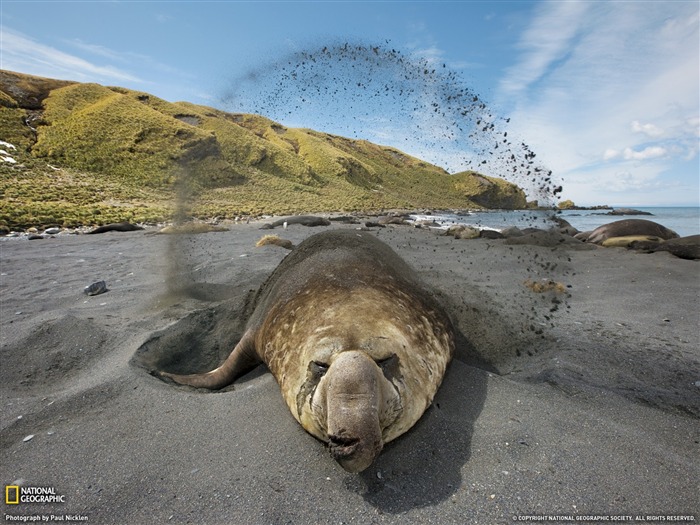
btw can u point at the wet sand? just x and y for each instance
(574, 403)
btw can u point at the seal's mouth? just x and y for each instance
(343, 447)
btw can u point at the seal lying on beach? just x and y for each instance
(116, 227)
(629, 227)
(357, 343)
(306, 220)
(683, 247)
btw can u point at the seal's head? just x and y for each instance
(354, 402)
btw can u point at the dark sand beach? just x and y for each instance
(570, 403)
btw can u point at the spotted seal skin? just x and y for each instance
(358, 344)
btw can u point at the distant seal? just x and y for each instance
(390, 219)
(564, 226)
(627, 211)
(116, 227)
(491, 234)
(190, 228)
(305, 220)
(627, 240)
(683, 247)
(358, 344)
(628, 227)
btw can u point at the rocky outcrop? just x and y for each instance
(490, 192)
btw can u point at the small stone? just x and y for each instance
(96, 288)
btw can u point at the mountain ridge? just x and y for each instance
(104, 153)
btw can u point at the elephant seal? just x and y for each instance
(358, 344)
(628, 227)
(683, 247)
(628, 240)
(305, 220)
(116, 227)
(190, 228)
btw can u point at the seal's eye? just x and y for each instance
(314, 374)
(390, 367)
(317, 368)
(382, 362)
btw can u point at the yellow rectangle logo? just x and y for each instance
(11, 499)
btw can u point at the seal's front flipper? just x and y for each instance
(242, 359)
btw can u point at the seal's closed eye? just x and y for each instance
(314, 373)
(390, 367)
(317, 368)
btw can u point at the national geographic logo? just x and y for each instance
(16, 494)
(11, 494)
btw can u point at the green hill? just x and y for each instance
(86, 153)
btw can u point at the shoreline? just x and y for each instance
(413, 216)
(332, 213)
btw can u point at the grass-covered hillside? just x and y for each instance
(76, 153)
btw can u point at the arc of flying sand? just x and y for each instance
(433, 106)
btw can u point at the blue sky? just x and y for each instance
(605, 92)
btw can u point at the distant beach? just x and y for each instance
(683, 220)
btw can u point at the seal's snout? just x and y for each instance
(353, 398)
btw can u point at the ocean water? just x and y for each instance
(683, 220)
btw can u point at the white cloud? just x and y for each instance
(622, 185)
(548, 39)
(648, 129)
(96, 50)
(610, 154)
(618, 86)
(693, 124)
(435, 57)
(21, 53)
(123, 57)
(651, 152)
(431, 54)
(163, 18)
